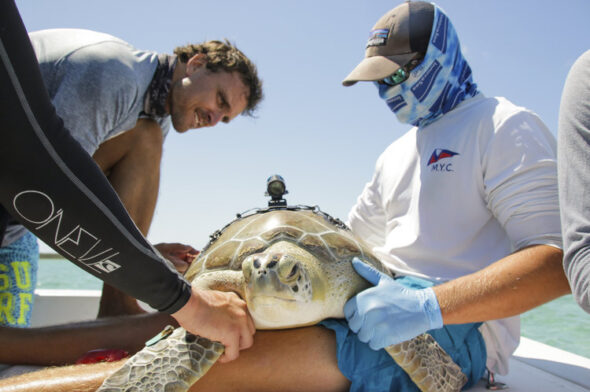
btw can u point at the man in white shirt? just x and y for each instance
(466, 199)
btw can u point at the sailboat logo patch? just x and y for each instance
(437, 155)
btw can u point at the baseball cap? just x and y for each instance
(397, 37)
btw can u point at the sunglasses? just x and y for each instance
(402, 74)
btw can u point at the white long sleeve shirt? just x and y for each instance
(455, 196)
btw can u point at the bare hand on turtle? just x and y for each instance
(180, 255)
(219, 316)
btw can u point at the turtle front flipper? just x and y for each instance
(172, 364)
(428, 364)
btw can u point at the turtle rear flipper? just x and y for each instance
(428, 364)
(172, 364)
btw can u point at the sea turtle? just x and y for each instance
(292, 265)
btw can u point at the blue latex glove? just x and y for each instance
(390, 313)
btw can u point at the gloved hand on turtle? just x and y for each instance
(390, 313)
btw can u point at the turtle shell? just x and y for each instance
(325, 237)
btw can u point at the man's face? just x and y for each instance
(203, 98)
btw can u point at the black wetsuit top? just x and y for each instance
(55, 189)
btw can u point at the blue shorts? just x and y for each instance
(18, 278)
(370, 370)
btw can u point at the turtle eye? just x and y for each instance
(288, 269)
(293, 271)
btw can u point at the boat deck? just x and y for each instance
(539, 367)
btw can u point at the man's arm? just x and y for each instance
(64, 344)
(300, 359)
(79, 378)
(389, 313)
(131, 162)
(520, 187)
(510, 286)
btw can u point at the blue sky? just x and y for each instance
(322, 137)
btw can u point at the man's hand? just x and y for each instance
(390, 313)
(218, 316)
(179, 254)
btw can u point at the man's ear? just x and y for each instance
(197, 61)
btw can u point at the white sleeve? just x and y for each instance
(367, 217)
(520, 181)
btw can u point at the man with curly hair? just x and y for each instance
(118, 102)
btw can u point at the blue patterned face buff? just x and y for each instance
(436, 85)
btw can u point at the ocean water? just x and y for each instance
(559, 323)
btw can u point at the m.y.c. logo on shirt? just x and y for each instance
(439, 161)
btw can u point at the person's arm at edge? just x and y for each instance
(574, 178)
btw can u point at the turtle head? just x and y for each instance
(285, 286)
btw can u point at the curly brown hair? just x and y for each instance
(225, 56)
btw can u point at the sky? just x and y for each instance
(323, 138)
